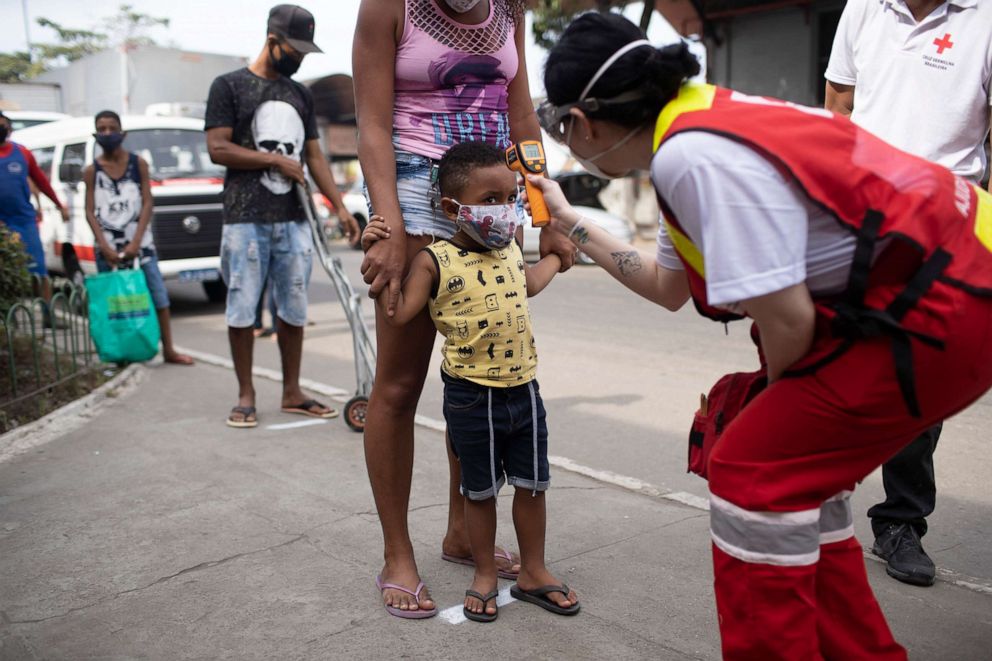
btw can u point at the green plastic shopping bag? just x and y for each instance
(123, 322)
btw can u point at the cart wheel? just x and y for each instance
(354, 412)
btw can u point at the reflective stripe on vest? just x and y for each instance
(983, 217)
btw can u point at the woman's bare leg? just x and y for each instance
(403, 357)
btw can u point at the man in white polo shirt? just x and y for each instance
(917, 73)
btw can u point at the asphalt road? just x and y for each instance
(621, 378)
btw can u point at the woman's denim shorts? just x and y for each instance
(416, 195)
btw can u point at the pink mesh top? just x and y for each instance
(452, 79)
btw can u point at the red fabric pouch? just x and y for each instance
(716, 410)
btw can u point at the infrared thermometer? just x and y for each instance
(527, 157)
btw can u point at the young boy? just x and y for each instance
(476, 287)
(119, 209)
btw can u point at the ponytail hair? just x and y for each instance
(588, 42)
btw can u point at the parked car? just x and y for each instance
(582, 191)
(354, 201)
(186, 188)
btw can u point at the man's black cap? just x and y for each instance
(294, 24)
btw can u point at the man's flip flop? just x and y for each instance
(502, 573)
(485, 599)
(309, 408)
(418, 614)
(244, 422)
(539, 597)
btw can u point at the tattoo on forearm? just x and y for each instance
(629, 262)
(581, 235)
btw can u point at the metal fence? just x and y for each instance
(47, 346)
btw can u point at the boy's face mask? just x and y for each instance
(109, 142)
(491, 225)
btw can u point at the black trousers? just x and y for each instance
(910, 488)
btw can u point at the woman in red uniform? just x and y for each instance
(866, 271)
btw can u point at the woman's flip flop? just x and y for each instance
(499, 555)
(309, 408)
(485, 599)
(418, 614)
(539, 597)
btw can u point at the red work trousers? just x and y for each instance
(789, 575)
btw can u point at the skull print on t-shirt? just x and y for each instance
(277, 128)
(274, 115)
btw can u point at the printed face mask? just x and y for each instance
(109, 141)
(462, 6)
(491, 225)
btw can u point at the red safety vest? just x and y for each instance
(872, 188)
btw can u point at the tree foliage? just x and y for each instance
(72, 44)
(15, 281)
(127, 27)
(17, 66)
(551, 17)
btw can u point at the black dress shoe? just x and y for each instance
(899, 545)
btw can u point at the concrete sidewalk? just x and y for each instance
(156, 532)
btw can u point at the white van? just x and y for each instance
(186, 187)
(25, 119)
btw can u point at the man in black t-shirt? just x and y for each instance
(261, 125)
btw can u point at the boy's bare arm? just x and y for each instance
(145, 216)
(416, 290)
(541, 274)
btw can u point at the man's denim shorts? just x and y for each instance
(413, 186)
(517, 450)
(250, 253)
(153, 277)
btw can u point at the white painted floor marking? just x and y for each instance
(455, 614)
(301, 423)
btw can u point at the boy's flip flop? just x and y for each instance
(499, 555)
(309, 407)
(418, 614)
(244, 422)
(539, 597)
(485, 599)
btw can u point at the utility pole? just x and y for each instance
(27, 27)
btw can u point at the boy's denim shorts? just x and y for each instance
(250, 253)
(500, 435)
(414, 188)
(153, 277)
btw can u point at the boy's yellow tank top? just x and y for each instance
(480, 307)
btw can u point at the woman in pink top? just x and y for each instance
(428, 74)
